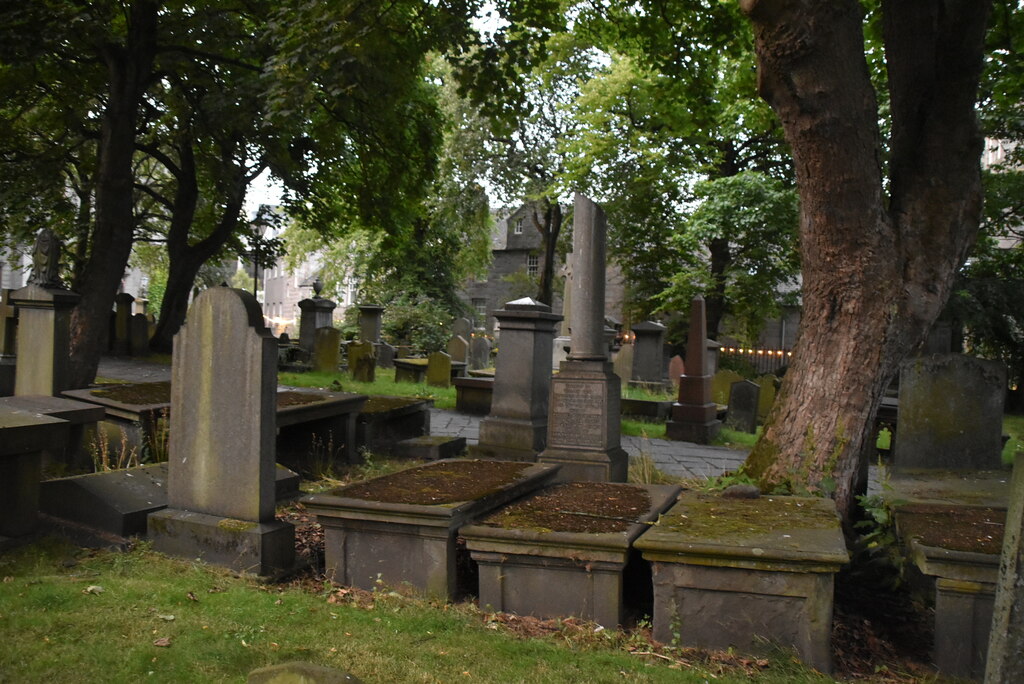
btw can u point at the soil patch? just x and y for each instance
(141, 393)
(977, 529)
(587, 507)
(437, 483)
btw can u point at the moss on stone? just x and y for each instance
(234, 525)
(710, 516)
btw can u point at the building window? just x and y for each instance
(518, 230)
(480, 307)
(532, 265)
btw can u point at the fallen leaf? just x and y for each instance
(163, 642)
(166, 618)
(93, 589)
(191, 596)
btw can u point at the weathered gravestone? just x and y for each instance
(743, 401)
(439, 369)
(517, 425)
(326, 350)
(583, 423)
(1005, 664)
(362, 361)
(315, 313)
(721, 385)
(220, 488)
(370, 322)
(950, 413)
(139, 335)
(676, 368)
(694, 415)
(458, 349)
(385, 355)
(766, 399)
(44, 324)
(479, 351)
(648, 352)
(462, 327)
(123, 323)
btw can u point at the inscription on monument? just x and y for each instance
(578, 413)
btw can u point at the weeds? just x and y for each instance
(105, 458)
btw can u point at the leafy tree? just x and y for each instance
(879, 245)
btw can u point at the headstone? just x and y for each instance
(462, 327)
(44, 324)
(385, 355)
(221, 471)
(8, 330)
(517, 426)
(315, 313)
(648, 352)
(479, 351)
(370, 322)
(327, 350)
(439, 369)
(583, 422)
(676, 368)
(769, 387)
(694, 415)
(139, 337)
(458, 349)
(622, 364)
(721, 385)
(950, 413)
(714, 354)
(362, 361)
(743, 401)
(123, 323)
(1004, 664)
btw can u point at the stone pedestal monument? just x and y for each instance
(44, 320)
(649, 353)
(516, 428)
(221, 472)
(316, 313)
(370, 322)
(694, 415)
(583, 422)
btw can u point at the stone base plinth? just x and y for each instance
(265, 549)
(732, 573)
(430, 447)
(589, 466)
(698, 433)
(511, 439)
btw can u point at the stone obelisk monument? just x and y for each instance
(694, 415)
(583, 422)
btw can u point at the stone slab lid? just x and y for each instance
(495, 535)
(526, 304)
(56, 407)
(648, 326)
(458, 505)
(799, 534)
(24, 431)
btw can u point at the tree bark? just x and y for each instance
(876, 269)
(130, 70)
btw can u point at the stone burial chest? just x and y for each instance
(736, 573)
(403, 527)
(566, 550)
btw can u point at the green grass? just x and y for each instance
(1013, 425)
(735, 439)
(86, 616)
(444, 397)
(642, 428)
(639, 393)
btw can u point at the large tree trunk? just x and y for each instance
(130, 69)
(876, 271)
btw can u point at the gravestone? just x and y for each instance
(950, 413)
(648, 352)
(721, 385)
(221, 470)
(24, 434)
(479, 351)
(583, 422)
(8, 329)
(44, 324)
(327, 350)
(315, 313)
(622, 364)
(385, 355)
(743, 403)
(462, 327)
(370, 322)
(766, 399)
(694, 415)
(676, 368)
(458, 349)
(362, 361)
(123, 323)
(517, 426)
(439, 369)
(1004, 664)
(139, 336)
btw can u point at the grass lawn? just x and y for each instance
(73, 615)
(444, 397)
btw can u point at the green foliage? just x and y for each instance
(418, 321)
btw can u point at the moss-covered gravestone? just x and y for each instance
(220, 487)
(439, 369)
(326, 350)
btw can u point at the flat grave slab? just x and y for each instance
(402, 527)
(80, 415)
(23, 437)
(566, 550)
(730, 573)
(385, 421)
